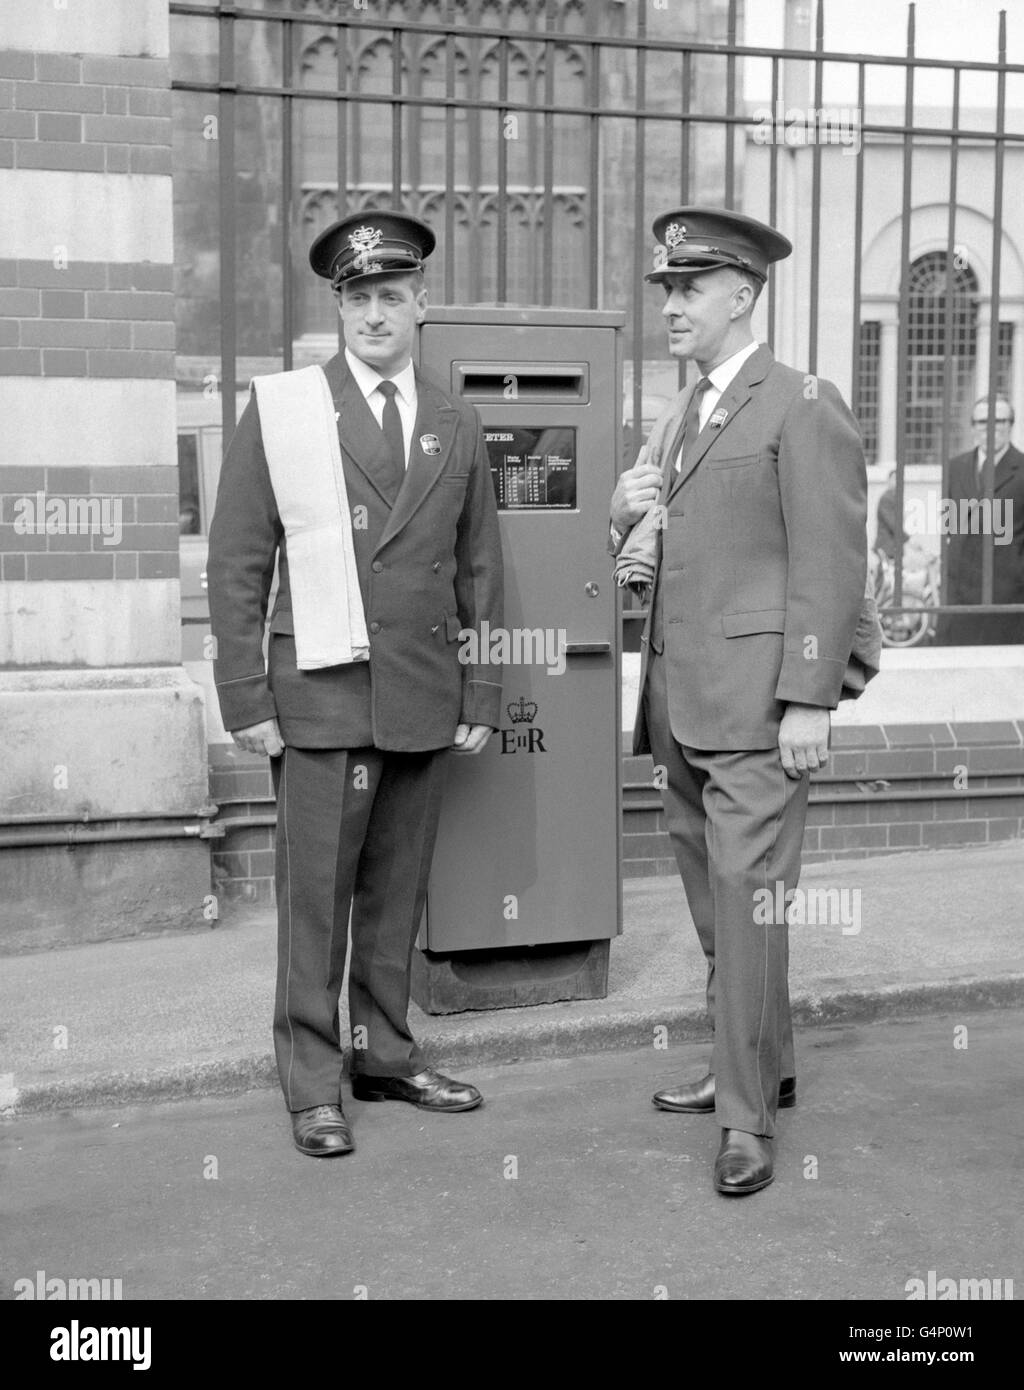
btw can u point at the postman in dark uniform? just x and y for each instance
(382, 563)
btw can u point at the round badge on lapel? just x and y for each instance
(430, 444)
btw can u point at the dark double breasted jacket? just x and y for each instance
(429, 565)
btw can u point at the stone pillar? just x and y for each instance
(103, 793)
(983, 356)
(888, 384)
(1017, 371)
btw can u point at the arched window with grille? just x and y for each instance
(937, 330)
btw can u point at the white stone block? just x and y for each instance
(100, 623)
(941, 685)
(136, 28)
(102, 743)
(90, 217)
(87, 423)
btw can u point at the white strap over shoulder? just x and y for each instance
(300, 439)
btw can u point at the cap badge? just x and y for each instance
(675, 232)
(364, 240)
(660, 256)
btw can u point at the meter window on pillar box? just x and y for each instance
(528, 848)
(533, 466)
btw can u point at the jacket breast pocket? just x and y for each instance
(740, 461)
(747, 624)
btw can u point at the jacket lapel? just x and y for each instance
(672, 435)
(674, 438)
(732, 400)
(436, 422)
(360, 436)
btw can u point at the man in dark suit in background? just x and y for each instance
(359, 749)
(965, 548)
(888, 528)
(759, 575)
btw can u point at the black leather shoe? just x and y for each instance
(322, 1131)
(698, 1097)
(429, 1090)
(744, 1163)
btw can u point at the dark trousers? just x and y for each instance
(737, 823)
(355, 830)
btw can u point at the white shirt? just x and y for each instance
(720, 377)
(368, 380)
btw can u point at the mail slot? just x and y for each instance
(549, 381)
(525, 892)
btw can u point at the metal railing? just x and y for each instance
(618, 110)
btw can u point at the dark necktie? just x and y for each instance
(981, 475)
(391, 424)
(691, 420)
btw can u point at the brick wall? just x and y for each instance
(146, 500)
(92, 318)
(100, 113)
(888, 789)
(87, 334)
(69, 317)
(103, 727)
(243, 861)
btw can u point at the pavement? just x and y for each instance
(188, 1014)
(898, 1163)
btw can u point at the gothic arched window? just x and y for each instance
(933, 335)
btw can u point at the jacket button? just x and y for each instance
(436, 566)
(375, 627)
(377, 566)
